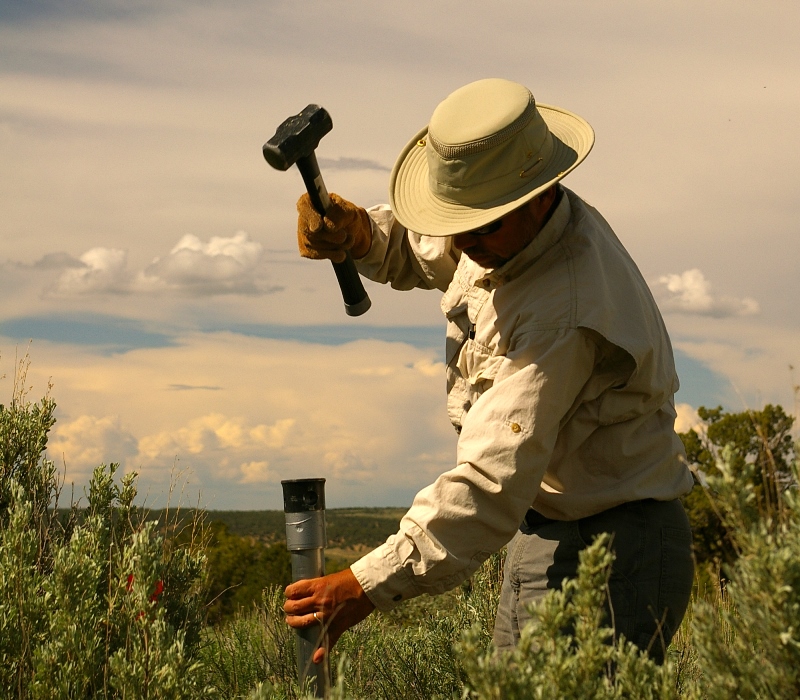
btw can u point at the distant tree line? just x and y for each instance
(760, 450)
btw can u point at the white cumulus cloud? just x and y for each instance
(101, 270)
(213, 431)
(691, 293)
(236, 446)
(88, 441)
(223, 265)
(256, 473)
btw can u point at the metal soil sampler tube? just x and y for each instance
(304, 509)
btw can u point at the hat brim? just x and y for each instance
(419, 210)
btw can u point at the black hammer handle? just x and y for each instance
(356, 299)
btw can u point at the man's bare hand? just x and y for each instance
(338, 600)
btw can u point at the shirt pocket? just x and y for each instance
(477, 363)
(457, 333)
(454, 300)
(454, 307)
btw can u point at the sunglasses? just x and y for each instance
(486, 230)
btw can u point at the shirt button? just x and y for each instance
(515, 428)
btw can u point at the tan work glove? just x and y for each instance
(344, 227)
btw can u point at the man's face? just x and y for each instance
(517, 230)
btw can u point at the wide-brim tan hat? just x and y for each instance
(488, 149)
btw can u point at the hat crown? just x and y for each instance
(479, 110)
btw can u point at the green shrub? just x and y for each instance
(551, 662)
(105, 608)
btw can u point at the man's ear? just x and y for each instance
(541, 204)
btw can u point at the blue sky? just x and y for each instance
(111, 335)
(148, 250)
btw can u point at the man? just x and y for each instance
(560, 376)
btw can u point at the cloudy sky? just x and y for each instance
(147, 250)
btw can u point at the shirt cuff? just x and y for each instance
(383, 578)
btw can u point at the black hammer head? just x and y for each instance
(297, 137)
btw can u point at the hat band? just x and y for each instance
(460, 150)
(451, 180)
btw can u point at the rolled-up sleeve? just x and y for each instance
(504, 448)
(405, 259)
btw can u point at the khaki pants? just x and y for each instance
(650, 582)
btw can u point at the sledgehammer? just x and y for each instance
(294, 143)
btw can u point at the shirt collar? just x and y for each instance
(549, 235)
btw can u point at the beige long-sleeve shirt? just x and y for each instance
(560, 379)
